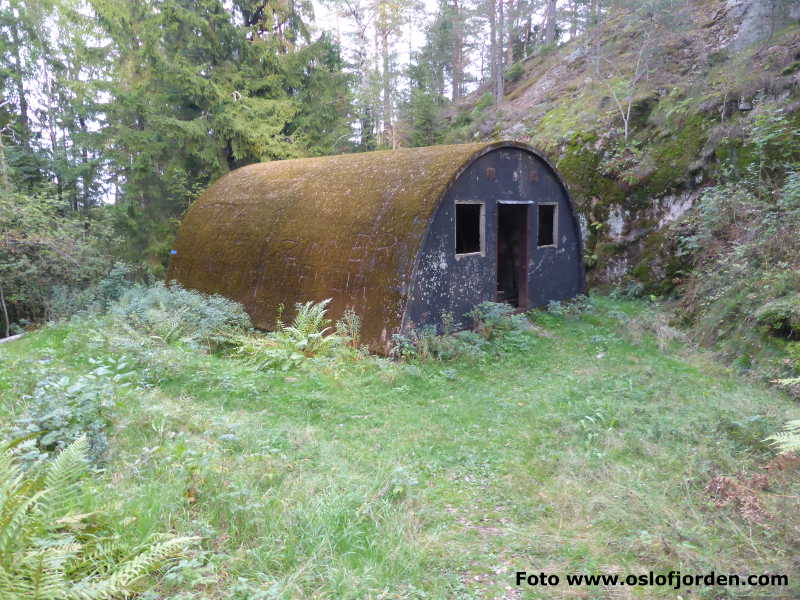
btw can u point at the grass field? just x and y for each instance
(584, 445)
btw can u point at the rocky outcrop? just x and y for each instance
(757, 20)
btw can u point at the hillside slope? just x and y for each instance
(678, 132)
(703, 68)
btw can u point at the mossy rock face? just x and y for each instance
(579, 164)
(659, 267)
(641, 108)
(673, 158)
(781, 316)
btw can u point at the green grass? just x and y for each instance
(585, 448)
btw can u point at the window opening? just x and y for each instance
(547, 225)
(469, 228)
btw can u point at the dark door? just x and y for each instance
(512, 254)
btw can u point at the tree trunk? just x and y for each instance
(526, 45)
(495, 23)
(501, 37)
(492, 42)
(573, 21)
(3, 166)
(387, 84)
(550, 23)
(6, 324)
(376, 95)
(24, 121)
(458, 51)
(510, 30)
(596, 35)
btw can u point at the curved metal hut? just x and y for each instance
(403, 237)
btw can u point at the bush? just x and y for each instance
(49, 257)
(491, 322)
(62, 409)
(49, 550)
(781, 316)
(515, 72)
(790, 193)
(171, 314)
(113, 286)
(493, 319)
(483, 103)
(426, 344)
(67, 300)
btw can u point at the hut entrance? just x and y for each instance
(512, 254)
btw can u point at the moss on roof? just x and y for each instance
(346, 227)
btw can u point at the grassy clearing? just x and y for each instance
(586, 446)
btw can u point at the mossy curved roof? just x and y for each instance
(346, 227)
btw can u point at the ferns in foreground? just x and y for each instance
(787, 440)
(46, 552)
(310, 334)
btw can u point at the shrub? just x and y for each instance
(781, 316)
(66, 300)
(349, 327)
(774, 141)
(170, 314)
(61, 410)
(483, 103)
(113, 286)
(515, 72)
(48, 550)
(493, 319)
(790, 193)
(49, 257)
(491, 322)
(426, 344)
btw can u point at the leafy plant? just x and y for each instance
(781, 316)
(349, 327)
(515, 72)
(787, 440)
(790, 193)
(774, 140)
(171, 314)
(491, 319)
(425, 344)
(310, 334)
(113, 286)
(48, 551)
(63, 409)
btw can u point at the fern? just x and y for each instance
(42, 557)
(310, 334)
(787, 440)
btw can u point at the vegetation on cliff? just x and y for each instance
(677, 127)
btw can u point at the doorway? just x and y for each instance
(512, 254)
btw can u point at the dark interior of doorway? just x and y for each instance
(512, 244)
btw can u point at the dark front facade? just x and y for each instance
(505, 231)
